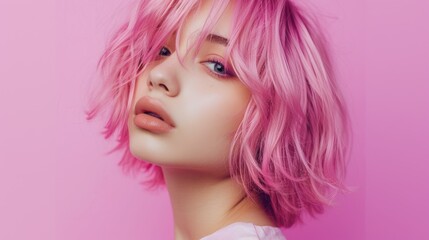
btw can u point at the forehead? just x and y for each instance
(196, 20)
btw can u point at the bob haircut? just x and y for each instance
(290, 151)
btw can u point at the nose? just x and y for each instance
(163, 77)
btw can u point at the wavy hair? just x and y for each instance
(290, 151)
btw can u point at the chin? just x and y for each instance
(154, 151)
(145, 149)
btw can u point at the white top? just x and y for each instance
(246, 231)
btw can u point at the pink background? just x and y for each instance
(57, 183)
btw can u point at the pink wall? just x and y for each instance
(57, 183)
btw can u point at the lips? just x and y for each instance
(151, 117)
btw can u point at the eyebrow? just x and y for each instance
(217, 39)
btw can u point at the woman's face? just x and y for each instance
(205, 102)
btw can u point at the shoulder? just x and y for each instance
(246, 231)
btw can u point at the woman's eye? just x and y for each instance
(217, 68)
(164, 52)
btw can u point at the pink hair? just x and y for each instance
(290, 150)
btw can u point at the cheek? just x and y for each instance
(214, 119)
(225, 116)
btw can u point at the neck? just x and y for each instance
(203, 204)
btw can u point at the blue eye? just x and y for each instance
(217, 68)
(164, 52)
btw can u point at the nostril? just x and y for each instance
(163, 86)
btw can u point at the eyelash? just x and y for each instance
(159, 54)
(211, 60)
(214, 61)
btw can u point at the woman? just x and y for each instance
(233, 105)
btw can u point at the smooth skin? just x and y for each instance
(207, 103)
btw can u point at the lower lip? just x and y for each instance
(151, 124)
